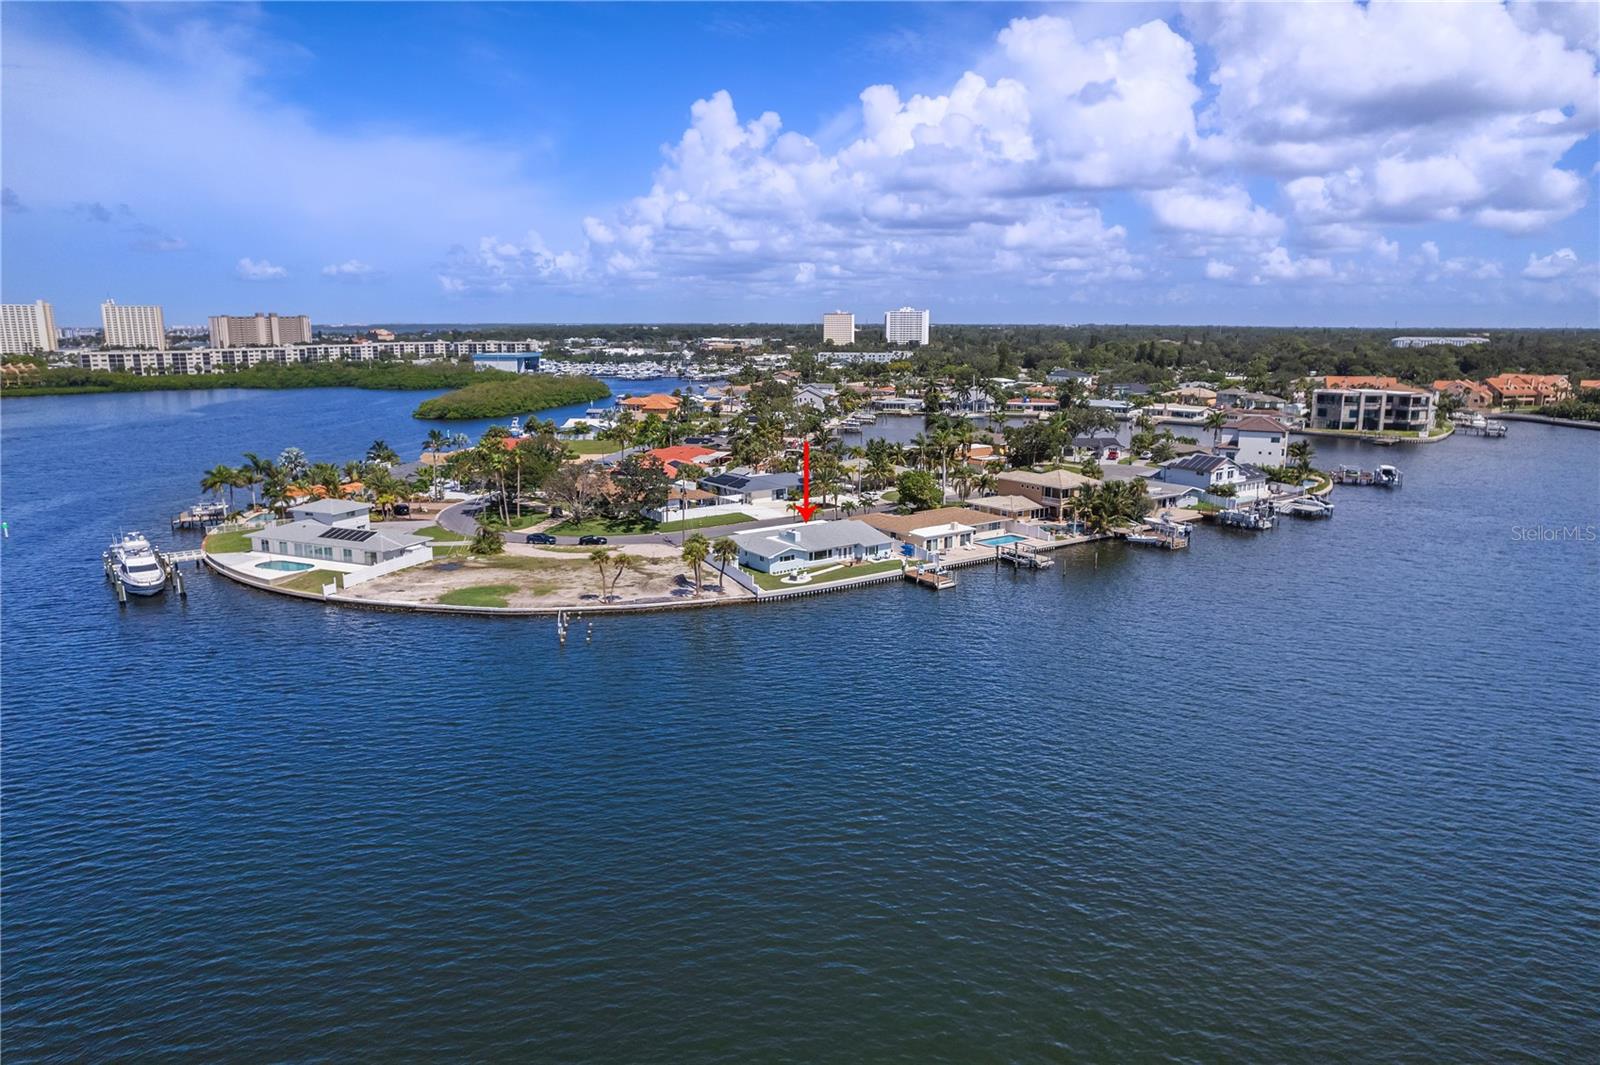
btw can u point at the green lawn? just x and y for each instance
(312, 581)
(451, 549)
(227, 542)
(478, 595)
(518, 521)
(437, 532)
(768, 582)
(604, 527)
(706, 522)
(592, 447)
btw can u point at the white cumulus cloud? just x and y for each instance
(251, 270)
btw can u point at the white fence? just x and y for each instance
(378, 569)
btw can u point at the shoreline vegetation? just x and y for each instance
(505, 394)
(382, 376)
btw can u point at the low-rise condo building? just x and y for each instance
(1529, 389)
(1371, 404)
(1470, 394)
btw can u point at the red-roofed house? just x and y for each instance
(1529, 389)
(1470, 394)
(673, 457)
(658, 403)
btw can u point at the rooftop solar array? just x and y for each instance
(348, 534)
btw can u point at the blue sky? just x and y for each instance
(1261, 164)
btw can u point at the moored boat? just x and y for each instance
(132, 561)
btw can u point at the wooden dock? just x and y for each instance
(930, 577)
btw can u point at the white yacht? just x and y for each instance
(133, 561)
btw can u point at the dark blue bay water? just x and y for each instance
(1324, 794)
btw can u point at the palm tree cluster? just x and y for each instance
(1114, 504)
(291, 475)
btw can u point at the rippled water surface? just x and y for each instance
(1326, 793)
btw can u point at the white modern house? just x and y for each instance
(1256, 439)
(817, 543)
(1211, 472)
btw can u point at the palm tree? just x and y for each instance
(725, 551)
(218, 478)
(601, 558)
(1214, 421)
(696, 549)
(622, 562)
(242, 478)
(260, 470)
(1301, 451)
(382, 452)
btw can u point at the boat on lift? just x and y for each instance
(1386, 476)
(132, 561)
(1307, 507)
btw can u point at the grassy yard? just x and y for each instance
(227, 542)
(437, 532)
(478, 595)
(518, 521)
(604, 527)
(593, 447)
(706, 522)
(767, 582)
(451, 549)
(312, 581)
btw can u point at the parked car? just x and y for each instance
(591, 541)
(540, 538)
(401, 510)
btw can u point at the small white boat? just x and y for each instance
(1308, 507)
(133, 561)
(1386, 477)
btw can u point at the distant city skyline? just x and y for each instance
(1261, 164)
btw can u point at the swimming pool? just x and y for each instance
(285, 567)
(1001, 541)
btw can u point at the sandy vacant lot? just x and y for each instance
(547, 578)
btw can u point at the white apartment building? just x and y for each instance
(260, 330)
(838, 327)
(225, 360)
(133, 326)
(27, 327)
(905, 326)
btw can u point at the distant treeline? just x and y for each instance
(395, 376)
(503, 394)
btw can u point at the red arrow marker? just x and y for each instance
(806, 507)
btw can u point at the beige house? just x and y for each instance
(930, 532)
(1057, 492)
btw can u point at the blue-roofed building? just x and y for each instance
(510, 361)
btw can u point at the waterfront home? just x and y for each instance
(1128, 389)
(970, 401)
(336, 530)
(893, 404)
(1031, 405)
(815, 396)
(1211, 472)
(1470, 394)
(1198, 394)
(1057, 491)
(1014, 508)
(748, 486)
(1371, 404)
(658, 403)
(1118, 407)
(1187, 413)
(812, 544)
(934, 532)
(1244, 399)
(1102, 443)
(1255, 439)
(1513, 390)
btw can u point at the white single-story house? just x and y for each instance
(816, 543)
(337, 530)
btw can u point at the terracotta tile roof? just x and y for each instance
(1257, 423)
(1391, 384)
(655, 403)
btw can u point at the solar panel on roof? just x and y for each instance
(347, 534)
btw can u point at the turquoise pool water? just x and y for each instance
(1001, 541)
(285, 567)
